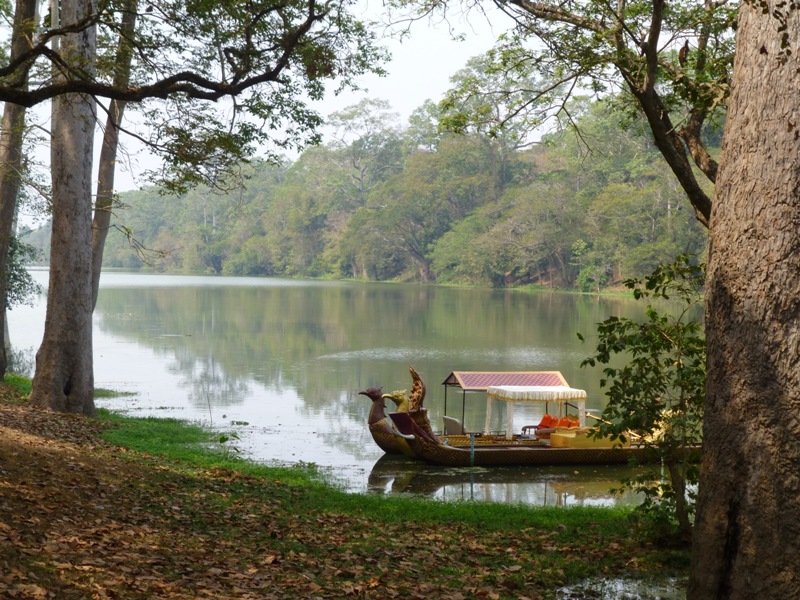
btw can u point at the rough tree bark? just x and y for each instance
(747, 527)
(64, 377)
(11, 153)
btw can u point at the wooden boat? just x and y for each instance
(408, 430)
(570, 449)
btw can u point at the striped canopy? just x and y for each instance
(479, 381)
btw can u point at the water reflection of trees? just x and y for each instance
(542, 486)
(208, 385)
(328, 341)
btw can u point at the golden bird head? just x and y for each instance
(400, 399)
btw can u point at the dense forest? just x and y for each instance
(582, 208)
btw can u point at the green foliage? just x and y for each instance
(20, 286)
(670, 63)
(591, 278)
(434, 191)
(501, 97)
(657, 396)
(384, 203)
(216, 81)
(464, 254)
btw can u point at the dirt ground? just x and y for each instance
(80, 518)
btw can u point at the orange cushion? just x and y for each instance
(545, 422)
(564, 422)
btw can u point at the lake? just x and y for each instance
(280, 363)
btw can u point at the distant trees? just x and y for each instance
(385, 203)
(416, 207)
(636, 215)
(20, 286)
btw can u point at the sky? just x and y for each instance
(423, 63)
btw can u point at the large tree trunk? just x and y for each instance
(747, 532)
(11, 155)
(64, 377)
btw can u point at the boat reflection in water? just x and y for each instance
(536, 486)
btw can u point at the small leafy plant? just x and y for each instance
(223, 439)
(657, 397)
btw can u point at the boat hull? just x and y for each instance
(483, 456)
(518, 453)
(387, 439)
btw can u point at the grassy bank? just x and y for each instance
(156, 508)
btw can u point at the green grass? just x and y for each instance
(104, 393)
(24, 385)
(18, 382)
(194, 446)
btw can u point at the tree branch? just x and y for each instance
(549, 12)
(188, 83)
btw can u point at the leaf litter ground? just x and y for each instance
(81, 518)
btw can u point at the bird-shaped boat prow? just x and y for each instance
(400, 399)
(413, 404)
(383, 430)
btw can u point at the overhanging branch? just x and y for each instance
(188, 83)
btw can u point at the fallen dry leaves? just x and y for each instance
(78, 520)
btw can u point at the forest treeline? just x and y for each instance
(580, 209)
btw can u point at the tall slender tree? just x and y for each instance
(64, 377)
(11, 141)
(107, 165)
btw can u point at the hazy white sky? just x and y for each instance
(424, 61)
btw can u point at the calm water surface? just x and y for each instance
(281, 362)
